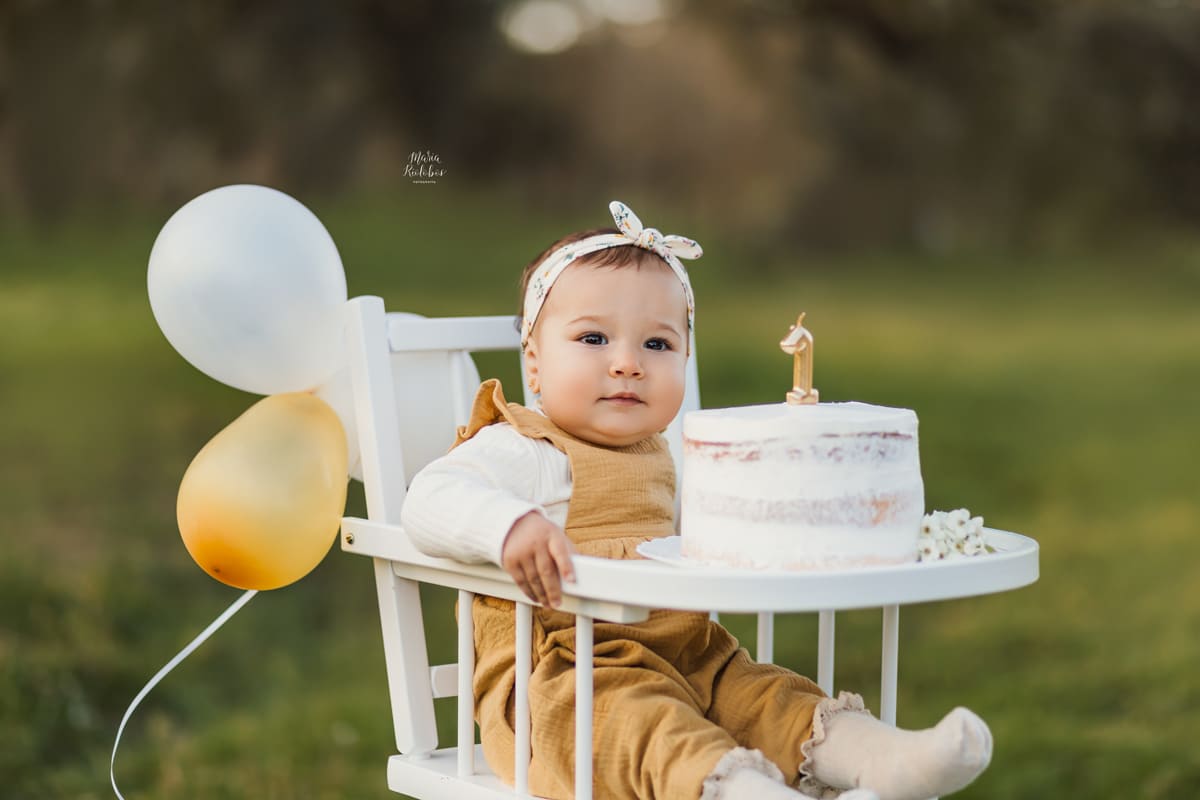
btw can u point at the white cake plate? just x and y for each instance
(667, 550)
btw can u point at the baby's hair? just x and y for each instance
(615, 257)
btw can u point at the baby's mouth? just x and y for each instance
(624, 399)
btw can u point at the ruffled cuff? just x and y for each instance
(735, 759)
(826, 710)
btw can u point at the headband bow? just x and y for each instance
(651, 238)
(670, 248)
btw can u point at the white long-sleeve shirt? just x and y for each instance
(463, 505)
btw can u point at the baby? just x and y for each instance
(681, 711)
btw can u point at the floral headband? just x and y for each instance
(669, 248)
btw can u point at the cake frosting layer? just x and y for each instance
(801, 487)
(780, 420)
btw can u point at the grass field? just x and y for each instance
(1059, 396)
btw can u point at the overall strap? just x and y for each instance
(620, 495)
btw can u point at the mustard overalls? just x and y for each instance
(673, 694)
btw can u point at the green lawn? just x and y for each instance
(1059, 396)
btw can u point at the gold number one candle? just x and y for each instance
(799, 344)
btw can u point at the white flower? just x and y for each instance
(927, 551)
(975, 545)
(949, 535)
(958, 519)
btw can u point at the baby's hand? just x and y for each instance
(537, 554)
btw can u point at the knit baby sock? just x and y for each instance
(744, 774)
(750, 784)
(860, 751)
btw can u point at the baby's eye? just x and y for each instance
(658, 344)
(594, 338)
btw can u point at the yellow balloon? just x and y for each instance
(261, 503)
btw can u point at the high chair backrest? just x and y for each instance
(413, 381)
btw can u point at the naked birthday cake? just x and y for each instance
(820, 486)
(801, 485)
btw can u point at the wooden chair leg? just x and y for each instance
(524, 667)
(825, 641)
(891, 664)
(466, 691)
(583, 707)
(766, 638)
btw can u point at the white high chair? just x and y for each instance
(400, 431)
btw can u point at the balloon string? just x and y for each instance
(162, 673)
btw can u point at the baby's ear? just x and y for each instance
(531, 365)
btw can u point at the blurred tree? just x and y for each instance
(935, 124)
(998, 120)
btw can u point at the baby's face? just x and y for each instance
(609, 350)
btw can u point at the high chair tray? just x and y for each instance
(669, 550)
(625, 591)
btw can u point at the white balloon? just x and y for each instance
(247, 285)
(421, 384)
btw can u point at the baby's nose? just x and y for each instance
(626, 364)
